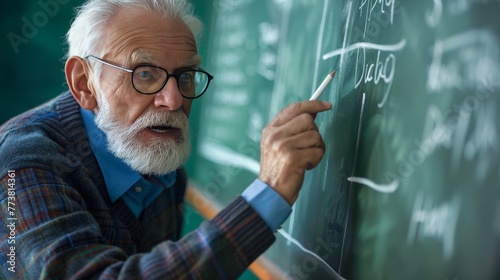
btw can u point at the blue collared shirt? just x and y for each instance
(268, 203)
(138, 193)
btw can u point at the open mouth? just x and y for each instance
(162, 129)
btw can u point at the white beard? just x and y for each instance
(154, 157)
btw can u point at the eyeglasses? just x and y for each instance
(150, 79)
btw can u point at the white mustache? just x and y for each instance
(176, 119)
(156, 156)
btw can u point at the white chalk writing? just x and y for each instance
(434, 221)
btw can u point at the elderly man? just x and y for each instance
(92, 182)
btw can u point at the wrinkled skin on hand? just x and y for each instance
(290, 145)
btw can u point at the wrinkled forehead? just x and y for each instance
(143, 36)
(144, 56)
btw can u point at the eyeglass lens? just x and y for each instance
(151, 79)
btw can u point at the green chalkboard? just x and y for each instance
(436, 139)
(409, 185)
(32, 53)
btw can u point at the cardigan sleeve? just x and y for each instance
(55, 237)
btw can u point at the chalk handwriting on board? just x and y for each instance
(381, 70)
(228, 59)
(429, 220)
(384, 71)
(233, 39)
(226, 156)
(466, 136)
(482, 143)
(232, 77)
(454, 7)
(268, 41)
(464, 61)
(389, 48)
(332, 271)
(383, 188)
(432, 18)
(238, 97)
(370, 5)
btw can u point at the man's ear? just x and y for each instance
(77, 76)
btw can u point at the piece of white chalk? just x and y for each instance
(323, 85)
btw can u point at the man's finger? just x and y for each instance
(299, 124)
(305, 140)
(296, 109)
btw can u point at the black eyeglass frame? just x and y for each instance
(175, 75)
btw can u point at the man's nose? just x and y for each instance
(169, 96)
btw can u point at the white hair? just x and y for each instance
(85, 35)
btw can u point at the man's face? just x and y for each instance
(149, 132)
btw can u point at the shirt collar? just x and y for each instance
(118, 176)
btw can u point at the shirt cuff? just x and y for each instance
(273, 209)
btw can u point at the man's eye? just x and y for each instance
(186, 76)
(144, 74)
(147, 73)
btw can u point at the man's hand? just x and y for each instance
(290, 145)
